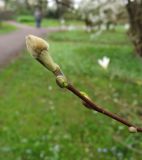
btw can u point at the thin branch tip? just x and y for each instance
(133, 129)
(39, 49)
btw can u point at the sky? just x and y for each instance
(1, 3)
(51, 3)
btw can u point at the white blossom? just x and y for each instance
(104, 62)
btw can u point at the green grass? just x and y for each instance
(40, 121)
(107, 37)
(29, 20)
(6, 28)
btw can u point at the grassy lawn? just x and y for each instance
(40, 121)
(6, 28)
(29, 20)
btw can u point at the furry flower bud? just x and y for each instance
(36, 45)
(39, 50)
(132, 129)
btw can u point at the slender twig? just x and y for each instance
(39, 50)
(87, 102)
(91, 105)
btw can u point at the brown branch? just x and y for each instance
(39, 49)
(91, 105)
(87, 102)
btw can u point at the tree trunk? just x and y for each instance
(134, 9)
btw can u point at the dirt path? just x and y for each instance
(11, 44)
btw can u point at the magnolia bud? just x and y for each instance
(132, 129)
(36, 45)
(39, 50)
(62, 81)
(85, 95)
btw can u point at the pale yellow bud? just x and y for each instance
(85, 95)
(39, 50)
(36, 45)
(62, 81)
(132, 129)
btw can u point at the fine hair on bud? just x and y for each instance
(39, 49)
(36, 45)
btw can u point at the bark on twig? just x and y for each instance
(91, 105)
(39, 50)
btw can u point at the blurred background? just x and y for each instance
(98, 44)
